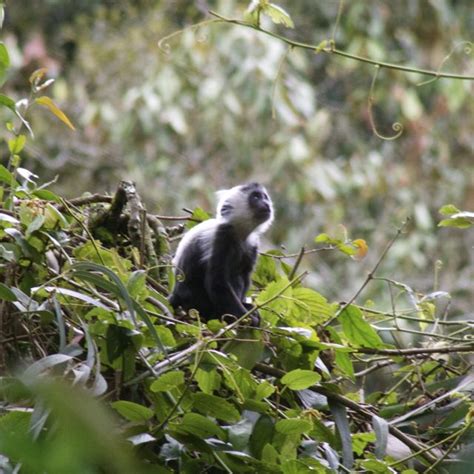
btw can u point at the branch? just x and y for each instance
(415, 351)
(331, 49)
(366, 413)
(370, 275)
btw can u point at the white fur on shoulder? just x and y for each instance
(204, 232)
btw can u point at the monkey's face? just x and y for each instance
(260, 205)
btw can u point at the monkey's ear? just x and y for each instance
(222, 195)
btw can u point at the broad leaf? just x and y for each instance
(133, 411)
(216, 407)
(168, 381)
(300, 379)
(358, 331)
(293, 426)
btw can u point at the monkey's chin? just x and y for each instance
(262, 216)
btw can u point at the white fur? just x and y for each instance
(205, 232)
(239, 217)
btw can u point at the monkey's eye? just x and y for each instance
(257, 195)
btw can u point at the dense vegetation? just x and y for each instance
(353, 368)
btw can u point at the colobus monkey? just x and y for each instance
(214, 259)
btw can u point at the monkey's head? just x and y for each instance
(248, 207)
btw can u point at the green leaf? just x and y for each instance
(54, 109)
(4, 56)
(323, 239)
(342, 359)
(72, 293)
(168, 381)
(120, 291)
(132, 411)
(216, 407)
(261, 435)
(281, 302)
(313, 307)
(199, 215)
(136, 283)
(293, 426)
(4, 62)
(6, 294)
(117, 341)
(448, 209)
(277, 15)
(53, 217)
(208, 379)
(265, 271)
(15, 145)
(264, 390)
(35, 225)
(461, 220)
(300, 379)
(200, 426)
(46, 195)
(7, 177)
(358, 331)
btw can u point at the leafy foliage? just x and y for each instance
(321, 386)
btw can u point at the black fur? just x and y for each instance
(214, 276)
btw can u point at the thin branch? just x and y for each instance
(415, 351)
(371, 274)
(396, 126)
(366, 413)
(338, 52)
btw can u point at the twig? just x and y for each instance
(371, 274)
(297, 264)
(338, 52)
(84, 200)
(364, 412)
(415, 351)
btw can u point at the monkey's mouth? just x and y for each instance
(263, 212)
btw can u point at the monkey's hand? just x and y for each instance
(254, 315)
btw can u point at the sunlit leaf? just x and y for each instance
(362, 249)
(448, 209)
(4, 62)
(7, 177)
(53, 108)
(278, 15)
(15, 145)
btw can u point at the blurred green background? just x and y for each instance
(199, 118)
